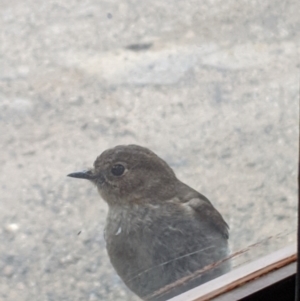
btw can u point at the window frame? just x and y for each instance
(248, 279)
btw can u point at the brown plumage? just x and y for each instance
(158, 229)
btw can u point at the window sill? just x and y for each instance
(247, 280)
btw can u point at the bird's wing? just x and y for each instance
(207, 211)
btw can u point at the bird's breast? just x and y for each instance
(167, 240)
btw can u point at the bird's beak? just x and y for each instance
(85, 174)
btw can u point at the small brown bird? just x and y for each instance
(158, 229)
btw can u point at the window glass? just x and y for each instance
(211, 87)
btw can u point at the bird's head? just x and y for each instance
(130, 173)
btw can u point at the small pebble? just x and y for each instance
(12, 227)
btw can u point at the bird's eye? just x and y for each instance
(117, 170)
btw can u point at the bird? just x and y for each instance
(161, 234)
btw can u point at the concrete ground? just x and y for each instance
(211, 86)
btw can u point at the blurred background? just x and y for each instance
(210, 86)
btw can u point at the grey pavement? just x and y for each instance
(210, 86)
